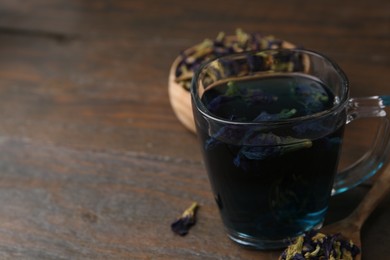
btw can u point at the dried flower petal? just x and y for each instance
(227, 134)
(284, 114)
(182, 225)
(313, 97)
(269, 145)
(207, 50)
(314, 245)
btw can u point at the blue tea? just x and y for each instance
(270, 185)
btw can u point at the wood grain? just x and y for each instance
(350, 227)
(94, 163)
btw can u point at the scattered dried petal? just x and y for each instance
(182, 225)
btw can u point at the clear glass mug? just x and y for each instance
(270, 126)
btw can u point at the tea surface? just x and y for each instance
(268, 98)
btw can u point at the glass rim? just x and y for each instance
(319, 115)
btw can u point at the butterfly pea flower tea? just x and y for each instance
(276, 176)
(270, 126)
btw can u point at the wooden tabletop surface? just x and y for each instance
(93, 162)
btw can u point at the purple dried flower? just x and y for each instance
(298, 257)
(256, 63)
(222, 45)
(216, 102)
(314, 245)
(312, 97)
(227, 133)
(256, 153)
(268, 145)
(249, 96)
(284, 114)
(182, 225)
(258, 96)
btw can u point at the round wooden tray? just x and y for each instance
(180, 97)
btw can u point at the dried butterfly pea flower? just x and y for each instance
(216, 103)
(258, 96)
(294, 251)
(192, 58)
(315, 245)
(232, 134)
(284, 114)
(182, 225)
(233, 89)
(262, 145)
(249, 95)
(312, 97)
(220, 38)
(256, 63)
(242, 37)
(269, 145)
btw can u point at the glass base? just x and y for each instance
(255, 243)
(261, 244)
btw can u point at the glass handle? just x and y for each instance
(367, 107)
(378, 154)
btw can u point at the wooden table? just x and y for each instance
(93, 162)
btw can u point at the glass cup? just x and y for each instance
(270, 126)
